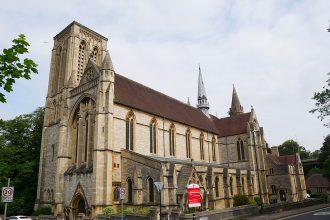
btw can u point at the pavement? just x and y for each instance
(283, 214)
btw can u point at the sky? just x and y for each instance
(276, 53)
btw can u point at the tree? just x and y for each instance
(291, 147)
(323, 102)
(11, 66)
(326, 167)
(20, 140)
(325, 149)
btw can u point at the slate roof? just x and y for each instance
(233, 125)
(317, 180)
(283, 160)
(138, 96)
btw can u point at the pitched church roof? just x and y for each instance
(233, 125)
(138, 96)
(284, 160)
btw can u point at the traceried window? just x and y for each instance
(81, 60)
(201, 145)
(82, 132)
(214, 158)
(240, 150)
(188, 143)
(153, 136)
(172, 140)
(130, 131)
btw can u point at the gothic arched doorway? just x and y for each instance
(79, 207)
(282, 195)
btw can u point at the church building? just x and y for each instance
(103, 131)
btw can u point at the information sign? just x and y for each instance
(194, 196)
(7, 194)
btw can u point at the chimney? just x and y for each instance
(275, 151)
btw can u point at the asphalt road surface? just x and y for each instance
(312, 215)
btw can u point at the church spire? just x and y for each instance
(203, 104)
(236, 107)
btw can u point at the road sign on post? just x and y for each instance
(7, 194)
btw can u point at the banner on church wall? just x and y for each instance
(194, 195)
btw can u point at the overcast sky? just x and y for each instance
(275, 52)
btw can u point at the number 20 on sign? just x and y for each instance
(7, 194)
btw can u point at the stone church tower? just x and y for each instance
(78, 116)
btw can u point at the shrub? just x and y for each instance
(47, 210)
(108, 210)
(252, 201)
(128, 211)
(257, 200)
(143, 211)
(241, 200)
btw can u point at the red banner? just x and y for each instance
(194, 196)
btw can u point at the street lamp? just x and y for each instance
(159, 187)
(257, 164)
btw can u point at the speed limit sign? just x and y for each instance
(7, 194)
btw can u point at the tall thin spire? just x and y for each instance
(203, 104)
(236, 107)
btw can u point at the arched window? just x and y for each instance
(273, 187)
(130, 131)
(116, 194)
(82, 132)
(81, 60)
(153, 136)
(151, 195)
(231, 186)
(172, 140)
(129, 190)
(188, 143)
(214, 158)
(94, 55)
(243, 185)
(240, 150)
(216, 185)
(51, 195)
(201, 145)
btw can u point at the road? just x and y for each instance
(312, 215)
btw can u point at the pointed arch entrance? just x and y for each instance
(79, 207)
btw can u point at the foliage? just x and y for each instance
(252, 201)
(323, 102)
(143, 211)
(325, 150)
(257, 199)
(108, 211)
(20, 140)
(241, 200)
(326, 168)
(314, 170)
(315, 154)
(11, 66)
(291, 147)
(128, 211)
(47, 210)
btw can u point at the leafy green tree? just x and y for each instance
(325, 149)
(315, 154)
(326, 167)
(323, 102)
(11, 66)
(291, 147)
(314, 170)
(20, 140)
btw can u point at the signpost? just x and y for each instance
(7, 195)
(194, 196)
(159, 187)
(122, 196)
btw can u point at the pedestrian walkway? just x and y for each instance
(287, 213)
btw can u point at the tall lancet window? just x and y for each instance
(188, 143)
(81, 60)
(214, 158)
(172, 140)
(130, 131)
(95, 55)
(201, 145)
(240, 150)
(82, 132)
(153, 136)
